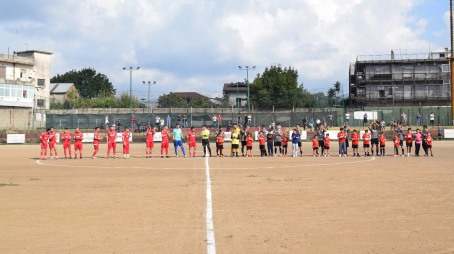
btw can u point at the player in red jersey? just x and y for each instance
(409, 141)
(284, 144)
(396, 142)
(341, 137)
(366, 143)
(219, 144)
(44, 139)
(125, 136)
(192, 142)
(150, 141)
(165, 141)
(111, 142)
(66, 140)
(326, 144)
(96, 139)
(315, 146)
(249, 141)
(78, 136)
(52, 142)
(382, 141)
(429, 140)
(262, 142)
(355, 143)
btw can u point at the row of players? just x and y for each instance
(270, 142)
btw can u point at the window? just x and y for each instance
(40, 103)
(381, 93)
(41, 82)
(24, 93)
(22, 73)
(445, 68)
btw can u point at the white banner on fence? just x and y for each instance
(157, 137)
(228, 136)
(15, 138)
(449, 133)
(359, 115)
(88, 137)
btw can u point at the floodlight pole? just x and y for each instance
(149, 83)
(130, 69)
(247, 68)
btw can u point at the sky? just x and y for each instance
(197, 45)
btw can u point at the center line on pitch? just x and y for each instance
(211, 245)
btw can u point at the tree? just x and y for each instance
(279, 88)
(89, 83)
(171, 100)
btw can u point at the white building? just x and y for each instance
(24, 88)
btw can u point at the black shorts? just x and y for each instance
(284, 146)
(277, 143)
(429, 146)
(205, 142)
(299, 143)
(321, 143)
(374, 141)
(243, 143)
(366, 145)
(219, 146)
(235, 146)
(409, 144)
(326, 147)
(401, 143)
(262, 147)
(315, 148)
(382, 146)
(354, 146)
(248, 147)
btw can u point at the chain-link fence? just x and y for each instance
(331, 117)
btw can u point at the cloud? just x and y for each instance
(197, 44)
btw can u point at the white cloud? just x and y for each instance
(197, 44)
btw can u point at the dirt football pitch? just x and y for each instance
(257, 205)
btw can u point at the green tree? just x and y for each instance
(88, 82)
(171, 100)
(278, 87)
(200, 102)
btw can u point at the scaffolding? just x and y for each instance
(401, 80)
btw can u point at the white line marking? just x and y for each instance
(211, 245)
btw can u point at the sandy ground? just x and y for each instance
(260, 205)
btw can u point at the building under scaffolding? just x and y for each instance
(400, 80)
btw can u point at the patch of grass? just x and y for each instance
(252, 176)
(269, 179)
(34, 179)
(229, 236)
(8, 184)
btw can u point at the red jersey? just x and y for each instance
(262, 140)
(366, 138)
(396, 141)
(284, 140)
(429, 140)
(44, 137)
(341, 137)
(96, 138)
(355, 138)
(191, 137)
(78, 136)
(315, 143)
(165, 136)
(126, 136)
(111, 136)
(52, 137)
(66, 137)
(408, 137)
(219, 140)
(382, 140)
(150, 135)
(249, 141)
(327, 141)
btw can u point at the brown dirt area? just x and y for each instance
(260, 205)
